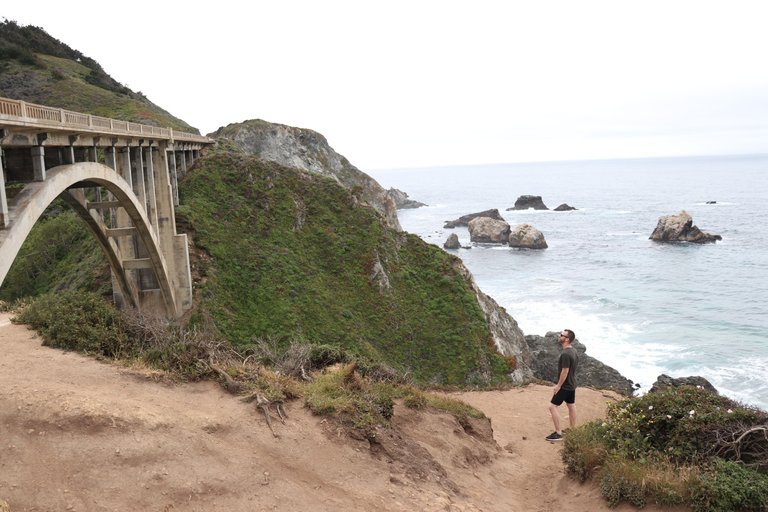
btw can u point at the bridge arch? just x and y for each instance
(68, 181)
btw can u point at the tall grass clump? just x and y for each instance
(680, 446)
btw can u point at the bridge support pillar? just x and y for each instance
(174, 176)
(38, 163)
(150, 182)
(3, 198)
(171, 243)
(183, 163)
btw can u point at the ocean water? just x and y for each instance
(641, 307)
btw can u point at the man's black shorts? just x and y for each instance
(564, 395)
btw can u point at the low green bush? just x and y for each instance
(683, 445)
(76, 320)
(728, 486)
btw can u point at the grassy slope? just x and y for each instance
(291, 256)
(60, 253)
(38, 68)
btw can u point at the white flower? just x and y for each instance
(604, 424)
(729, 411)
(699, 387)
(691, 412)
(669, 417)
(650, 407)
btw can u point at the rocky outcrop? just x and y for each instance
(565, 207)
(680, 228)
(402, 201)
(464, 220)
(308, 150)
(452, 242)
(507, 336)
(664, 382)
(485, 230)
(545, 352)
(525, 236)
(528, 203)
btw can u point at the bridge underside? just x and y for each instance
(125, 190)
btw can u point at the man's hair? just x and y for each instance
(571, 335)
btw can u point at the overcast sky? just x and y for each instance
(425, 83)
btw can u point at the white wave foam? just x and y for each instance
(611, 341)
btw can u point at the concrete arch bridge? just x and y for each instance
(120, 178)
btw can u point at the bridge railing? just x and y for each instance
(25, 113)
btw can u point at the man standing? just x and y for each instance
(565, 389)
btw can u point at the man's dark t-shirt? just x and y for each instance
(568, 359)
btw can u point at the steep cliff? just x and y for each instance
(295, 256)
(308, 150)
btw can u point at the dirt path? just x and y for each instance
(80, 435)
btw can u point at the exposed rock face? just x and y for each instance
(485, 230)
(464, 220)
(680, 228)
(379, 276)
(507, 336)
(664, 382)
(526, 236)
(545, 351)
(529, 202)
(452, 242)
(402, 201)
(308, 150)
(565, 207)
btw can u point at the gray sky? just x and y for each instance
(421, 83)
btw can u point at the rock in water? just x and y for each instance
(402, 201)
(680, 228)
(664, 382)
(452, 242)
(528, 203)
(485, 230)
(565, 207)
(545, 351)
(464, 220)
(525, 236)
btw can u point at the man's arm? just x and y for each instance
(563, 376)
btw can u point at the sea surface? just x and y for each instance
(642, 307)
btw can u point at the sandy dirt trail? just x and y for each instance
(77, 434)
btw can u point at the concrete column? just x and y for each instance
(110, 157)
(3, 199)
(174, 246)
(110, 160)
(69, 154)
(150, 180)
(38, 162)
(138, 167)
(124, 164)
(183, 163)
(174, 179)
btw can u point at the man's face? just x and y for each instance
(563, 338)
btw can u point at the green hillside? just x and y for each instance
(38, 68)
(294, 258)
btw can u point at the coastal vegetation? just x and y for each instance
(682, 445)
(290, 255)
(358, 393)
(39, 68)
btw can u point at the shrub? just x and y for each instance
(585, 450)
(729, 486)
(671, 448)
(359, 405)
(76, 320)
